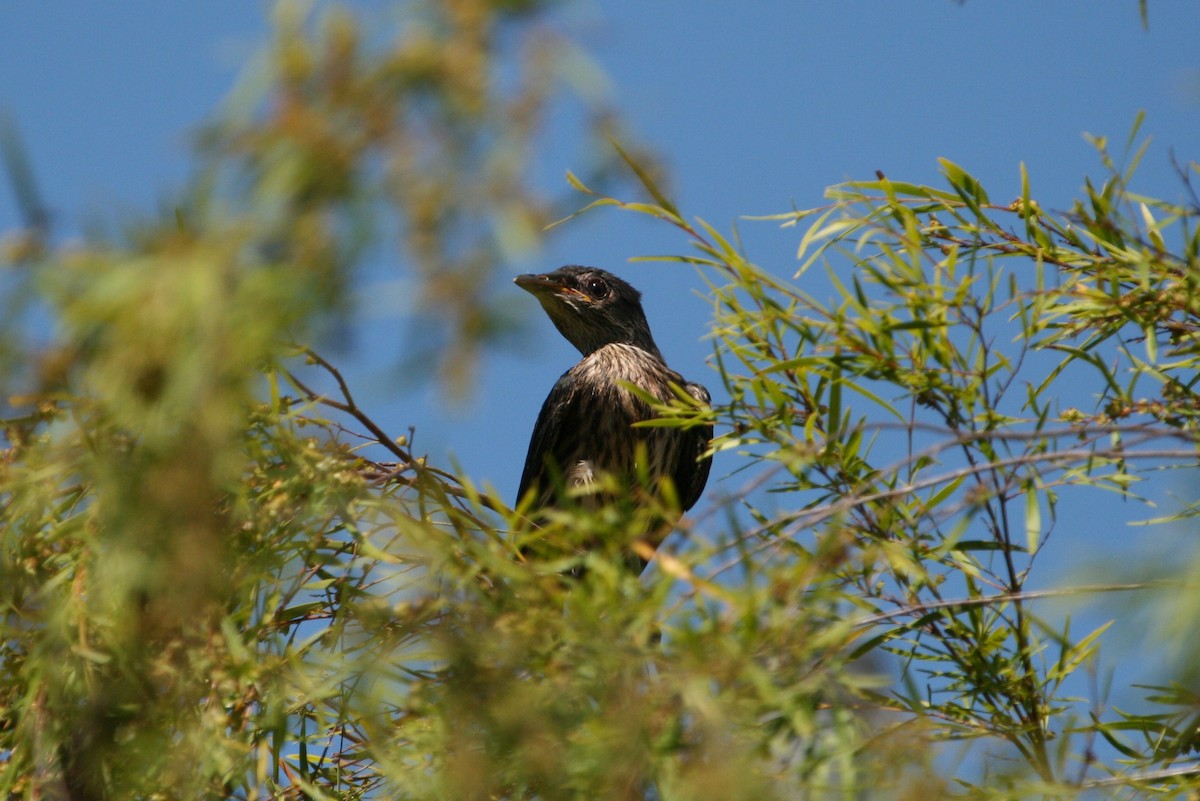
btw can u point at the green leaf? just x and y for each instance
(967, 187)
(577, 184)
(647, 181)
(1033, 518)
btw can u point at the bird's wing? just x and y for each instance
(691, 471)
(553, 438)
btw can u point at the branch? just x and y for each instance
(989, 600)
(385, 472)
(1182, 772)
(1130, 436)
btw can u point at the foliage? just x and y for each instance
(213, 587)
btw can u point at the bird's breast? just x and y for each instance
(609, 440)
(609, 367)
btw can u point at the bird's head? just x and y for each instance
(591, 307)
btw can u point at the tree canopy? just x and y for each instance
(222, 578)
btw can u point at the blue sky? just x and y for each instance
(757, 108)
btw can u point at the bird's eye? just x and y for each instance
(597, 288)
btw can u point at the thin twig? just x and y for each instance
(1181, 772)
(1007, 597)
(386, 472)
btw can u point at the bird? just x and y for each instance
(585, 428)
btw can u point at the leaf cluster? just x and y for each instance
(222, 578)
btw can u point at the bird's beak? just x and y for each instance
(542, 285)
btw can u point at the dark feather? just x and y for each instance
(551, 443)
(585, 426)
(691, 470)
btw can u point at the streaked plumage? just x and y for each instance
(585, 425)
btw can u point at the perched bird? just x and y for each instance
(585, 428)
